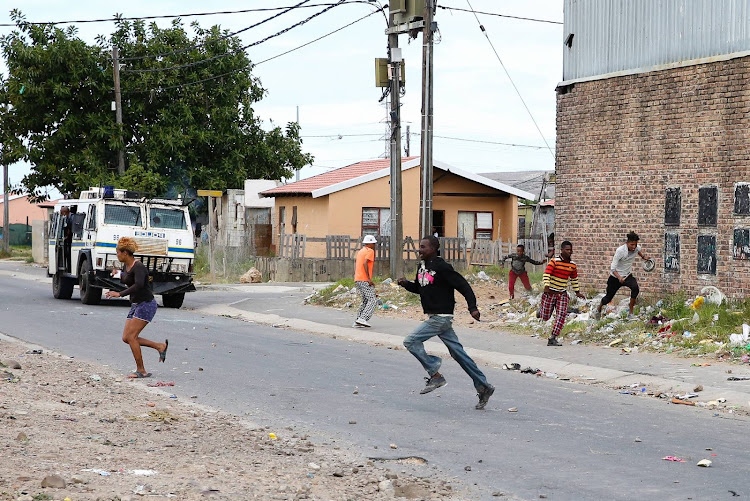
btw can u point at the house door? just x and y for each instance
(260, 230)
(466, 226)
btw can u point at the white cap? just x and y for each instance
(369, 239)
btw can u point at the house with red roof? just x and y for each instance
(355, 201)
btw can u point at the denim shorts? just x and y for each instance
(143, 311)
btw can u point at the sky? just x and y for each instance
(331, 83)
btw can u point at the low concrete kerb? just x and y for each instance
(573, 371)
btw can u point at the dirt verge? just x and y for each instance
(94, 435)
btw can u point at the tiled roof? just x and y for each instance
(307, 186)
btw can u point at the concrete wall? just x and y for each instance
(39, 241)
(21, 211)
(623, 142)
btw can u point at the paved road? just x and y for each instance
(566, 441)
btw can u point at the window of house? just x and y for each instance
(672, 207)
(672, 252)
(376, 221)
(742, 199)
(294, 219)
(741, 244)
(521, 227)
(473, 225)
(708, 205)
(707, 254)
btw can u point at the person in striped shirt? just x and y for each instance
(560, 272)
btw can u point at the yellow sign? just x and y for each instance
(210, 193)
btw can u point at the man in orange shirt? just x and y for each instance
(363, 281)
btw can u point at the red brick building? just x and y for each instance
(653, 135)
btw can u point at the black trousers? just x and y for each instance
(613, 285)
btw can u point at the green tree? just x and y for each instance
(187, 101)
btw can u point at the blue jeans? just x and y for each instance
(443, 328)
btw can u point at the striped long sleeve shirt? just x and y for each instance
(559, 273)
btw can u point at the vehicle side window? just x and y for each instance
(78, 224)
(91, 219)
(53, 225)
(60, 227)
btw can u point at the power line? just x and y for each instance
(453, 138)
(501, 15)
(169, 16)
(337, 136)
(270, 58)
(241, 49)
(481, 26)
(515, 145)
(223, 37)
(382, 9)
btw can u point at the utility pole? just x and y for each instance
(397, 226)
(6, 223)
(425, 220)
(408, 134)
(296, 173)
(118, 110)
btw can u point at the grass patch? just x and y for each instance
(228, 265)
(703, 331)
(18, 253)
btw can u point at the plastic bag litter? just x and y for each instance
(713, 295)
(740, 339)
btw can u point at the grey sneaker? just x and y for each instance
(362, 322)
(484, 396)
(553, 341)
(597, 314)
(433, 383)
(355, 324)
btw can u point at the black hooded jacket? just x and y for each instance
(435, 282)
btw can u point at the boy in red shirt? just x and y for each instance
(363, 281)
(560, 272)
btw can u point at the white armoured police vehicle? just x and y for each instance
(82, 245)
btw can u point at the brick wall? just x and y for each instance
(621, 142)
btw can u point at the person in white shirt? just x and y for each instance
(621, 273)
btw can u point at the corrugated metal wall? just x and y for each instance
(620, 35)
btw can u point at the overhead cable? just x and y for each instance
(320, 38)
(481, 26)
(501, 15)
(499, 143)
(221, 75)
(170, 16)
(223, 37)
(241, 49)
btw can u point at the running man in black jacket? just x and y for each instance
(436, 280)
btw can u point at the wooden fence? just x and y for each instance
(478, 252)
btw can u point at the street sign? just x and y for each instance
(210, 193)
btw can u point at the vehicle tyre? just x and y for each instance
(62, 286)
(173, 300)
(89, 293)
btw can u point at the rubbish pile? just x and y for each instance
(699, 329)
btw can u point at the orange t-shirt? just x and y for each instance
(365, 255)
